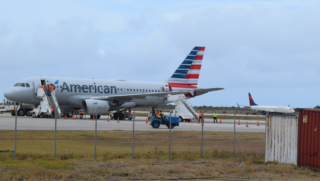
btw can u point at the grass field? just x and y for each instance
(75, 156)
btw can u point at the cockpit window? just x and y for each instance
(21, 85)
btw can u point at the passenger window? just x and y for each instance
(140, 90)
(27, 85)
(22, 85)
(134, 90)
(121, 89)
(127, 89)
(130, 89)
(152, 90)
(118, 89)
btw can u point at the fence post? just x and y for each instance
(202, 133)
(15, 132)
(170, 136)
(202, 137)
(95, 137)
(55, 132)
(234, 132)
(134, 114)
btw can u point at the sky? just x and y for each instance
(270, 48)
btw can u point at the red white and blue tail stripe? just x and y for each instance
(187, 74)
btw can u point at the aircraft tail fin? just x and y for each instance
(252, 103)
(187, 74)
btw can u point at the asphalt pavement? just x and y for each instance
(7, 122)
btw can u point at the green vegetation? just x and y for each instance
(75, 156)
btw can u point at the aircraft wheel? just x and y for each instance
(98, 116)
(21, 112)
(29, 113)
(155, 124)
(41, 115)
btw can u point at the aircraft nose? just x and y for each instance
(9, 94)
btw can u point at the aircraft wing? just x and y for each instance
(136, 96)
(199, 92)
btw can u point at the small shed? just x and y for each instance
(281, 138)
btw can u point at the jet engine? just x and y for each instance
(90, 106)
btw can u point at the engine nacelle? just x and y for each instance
(90, 106)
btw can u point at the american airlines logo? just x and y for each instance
(89, 88)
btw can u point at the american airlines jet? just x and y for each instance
(89, 94)
(269, 109)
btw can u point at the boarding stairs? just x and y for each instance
(54, 103)
(181, 100)
(190, 108)
(46, 104)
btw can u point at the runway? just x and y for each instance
(7, 122)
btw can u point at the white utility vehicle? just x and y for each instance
(23, 109)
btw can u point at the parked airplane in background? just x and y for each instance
(269, 109)
(89, 94)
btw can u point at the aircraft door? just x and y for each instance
(36, 85)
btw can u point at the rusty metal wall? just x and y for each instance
(309, 138)
(281, 138)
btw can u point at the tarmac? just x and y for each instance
(7, 122)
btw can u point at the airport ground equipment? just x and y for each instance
(156, 122)
(119, 114)
(44, 108)
(184, 110)
(23, 109)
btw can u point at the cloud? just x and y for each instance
(172, 16)
(101, 52)
(109, 21)
(269, 48)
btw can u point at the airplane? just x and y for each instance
(269, 109)
(89, 94)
